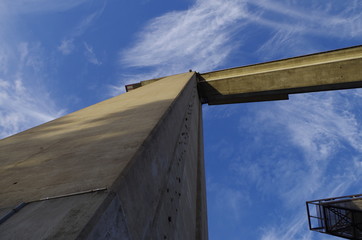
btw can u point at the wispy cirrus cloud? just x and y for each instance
(90, 55)
(204, 36)
(24, 100)
(291, 229)
(197, 38)
(20, 109)
(310, 17)
(24, 70)
(299, 26)
(323, 125)
(66, 46)
(318, 126)
(317, 155)
(24, 103)
(68, 43)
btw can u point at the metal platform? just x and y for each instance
(340, 216)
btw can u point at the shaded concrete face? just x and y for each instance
(158, 194)
(83, 150)
(145, 147)
(53, 219)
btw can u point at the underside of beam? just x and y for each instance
(339, 69)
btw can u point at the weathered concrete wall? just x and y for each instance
(164, 178)
(59, 218)
(144, 146)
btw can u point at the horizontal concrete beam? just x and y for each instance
(339, 69)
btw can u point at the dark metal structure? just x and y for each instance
(340, 216)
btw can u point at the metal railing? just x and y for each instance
(336, 216)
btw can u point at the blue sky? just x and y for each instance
(263, 160)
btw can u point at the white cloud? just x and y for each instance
(203, 36)
(66, 46)
(24, 100)
(320, 158)
(295, 23)
(198, 38)
(320, 123)
(24, 103)
(90, 55)
(286, 43)
(335, 19)
(289, 229)
(86, 22)
(22, 107)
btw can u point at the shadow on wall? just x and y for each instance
(82, 150)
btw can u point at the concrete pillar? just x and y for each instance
(130, 167)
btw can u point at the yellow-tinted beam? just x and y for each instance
(333, 70)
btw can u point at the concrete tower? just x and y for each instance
(132, 167)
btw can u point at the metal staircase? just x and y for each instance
(341, 216)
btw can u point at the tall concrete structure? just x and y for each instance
(132, 167)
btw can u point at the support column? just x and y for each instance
(130, 167)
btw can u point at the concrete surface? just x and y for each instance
(340, 69)
(144, 146)
(53, 219)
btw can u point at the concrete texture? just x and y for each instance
(340, 69)
(83, 150)
(144, 146)
(53, 219)
(144, 149)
